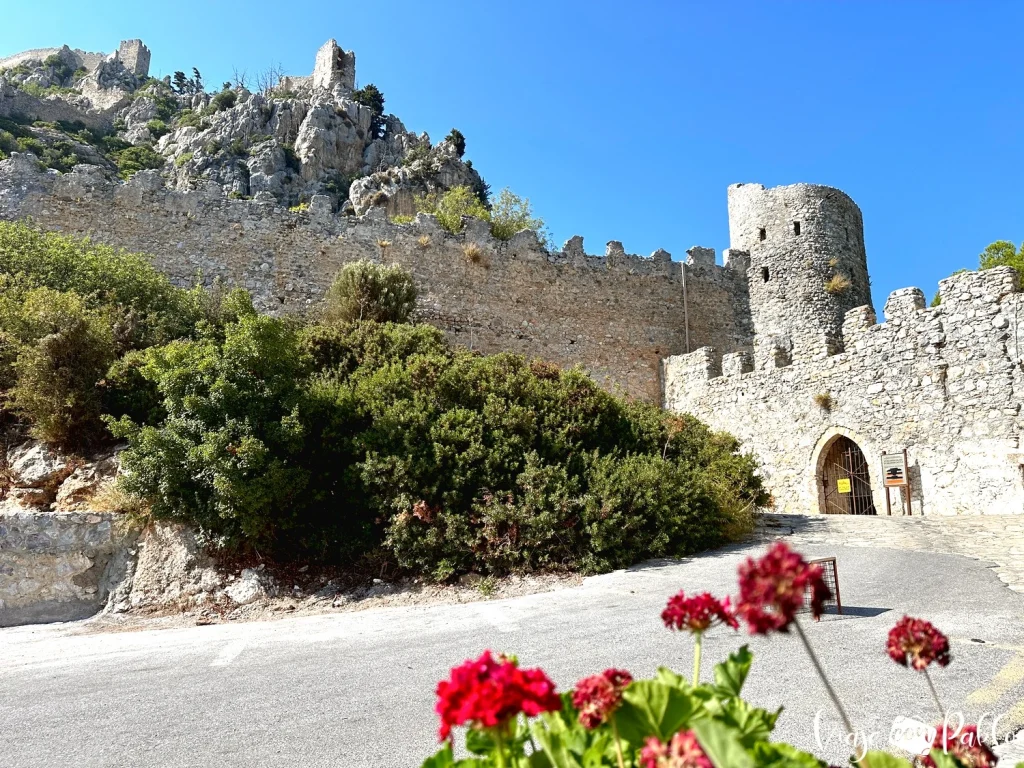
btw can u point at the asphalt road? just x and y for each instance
(356, 689)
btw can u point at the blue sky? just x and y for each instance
(627, 121)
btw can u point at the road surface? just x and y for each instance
(356, 689)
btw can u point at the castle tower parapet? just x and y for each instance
(134, 55)
(807, 265)
(334, 67)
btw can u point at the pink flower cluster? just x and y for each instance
(917, 643)
(698, 612)
(965, 745)
(598, 696)
(772, 589)
(683, 751)
(488, 692)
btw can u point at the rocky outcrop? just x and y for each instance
(37, 476)
(294, 140)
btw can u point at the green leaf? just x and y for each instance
(750, 723)
(555, 745)
(652, 708)
(443, 759)
(730, 675)
(722, 745)
(667, 676)
(773, 755)
(942, 759)
(479, 742)
(878, 759)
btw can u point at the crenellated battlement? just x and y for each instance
(617, 313)
(945, 382)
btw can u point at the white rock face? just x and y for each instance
(35, 465)
(247, 589)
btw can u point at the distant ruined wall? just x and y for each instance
(616, 315)
(945, 383)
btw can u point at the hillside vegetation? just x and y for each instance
(336, 440)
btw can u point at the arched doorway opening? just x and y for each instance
(844, 480)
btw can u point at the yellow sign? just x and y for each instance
(843, 485)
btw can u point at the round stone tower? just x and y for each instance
(807, 266)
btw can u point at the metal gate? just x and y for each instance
(845, 480)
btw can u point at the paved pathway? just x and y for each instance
(997, 539)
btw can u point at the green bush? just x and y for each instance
(183, 158)
(224, 100)
(225, 457)
(450, 207)
(142, 158)
(458, 141)
(367, 291)
(154, 309)
(157, 128)
(65, 350)
(335, 439)
(511, 213)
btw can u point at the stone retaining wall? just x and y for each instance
(57, 566)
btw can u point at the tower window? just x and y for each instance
(762, 233)
(796, 227)
(764, 272)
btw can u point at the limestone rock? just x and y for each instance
(171, 569)
(75, 492)
(248, 588)
(35, 465)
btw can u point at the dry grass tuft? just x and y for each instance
(473, 252)
(837, 284)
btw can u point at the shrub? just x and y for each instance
(188, 118)
(402, 219)
(157, 128)
(458, 141)
(371, 96)
(57, 369)
(102, 276)
(450, 207)
(225, 458)
(134, 159)
(511, 214)
(183, 158)
(226, 99)
(367, 291)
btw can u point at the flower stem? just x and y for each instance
(618, 743)
(821, 673)
(499, 753)
(697, 637)
(935, 694)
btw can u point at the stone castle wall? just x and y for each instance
(945, 383)
(617, 314)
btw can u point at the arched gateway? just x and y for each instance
(844, 484)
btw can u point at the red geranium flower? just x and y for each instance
(598, 696)
(772, 589)
(965, 745)
(698, 612)
(917, 643)
(487, 692)
(683, 751)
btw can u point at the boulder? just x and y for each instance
(75, 492)
(35, 465)
(248, 588)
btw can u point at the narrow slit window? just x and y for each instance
(764, 274)
(762, 233)
(796, 227)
